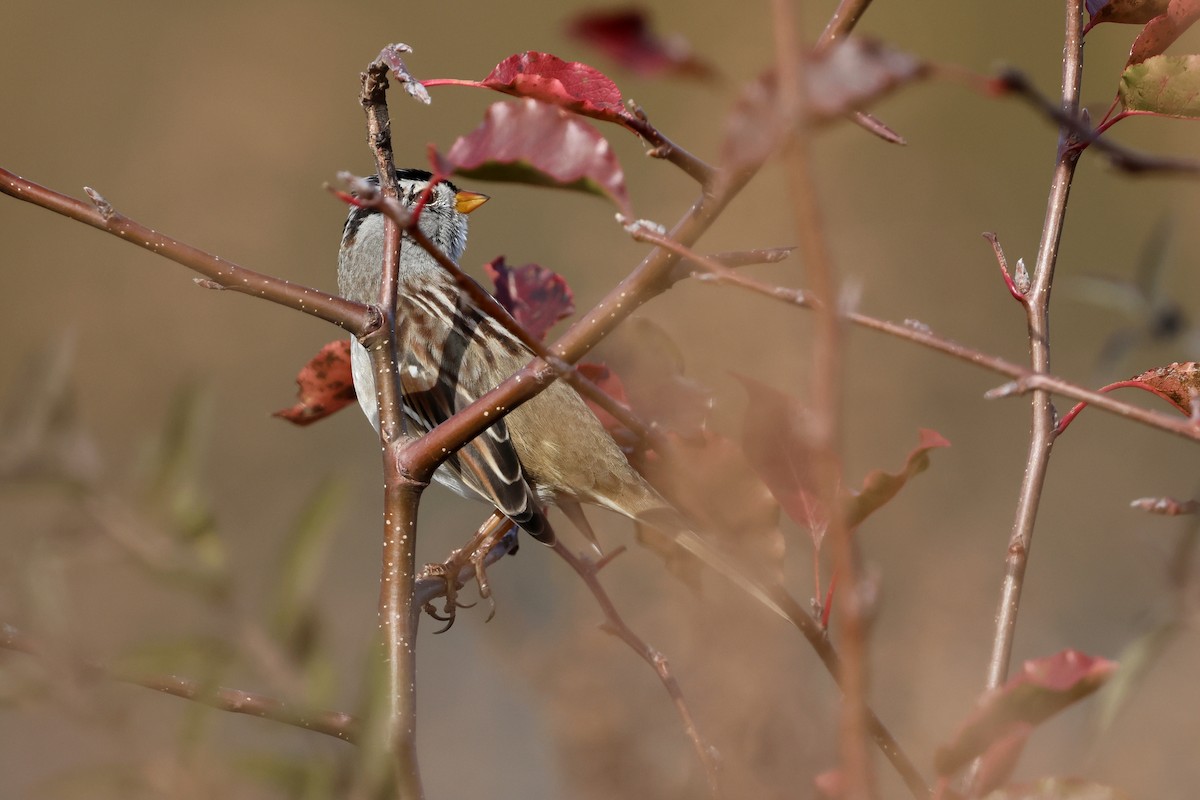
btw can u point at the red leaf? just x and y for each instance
(880, 487)
(567, 84)
(1123, 11)
(1042, 689)
(1162, 31)
(536, 297)
(325, 385)
(532, 142)
(625, 36)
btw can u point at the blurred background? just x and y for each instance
(219, 124)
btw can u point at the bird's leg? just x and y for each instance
(473, 555)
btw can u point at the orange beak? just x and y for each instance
(466, 202)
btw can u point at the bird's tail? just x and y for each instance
(672, 523)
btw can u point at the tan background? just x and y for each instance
(219, 123)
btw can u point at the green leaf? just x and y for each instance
(1165, 85)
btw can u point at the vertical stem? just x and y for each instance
(825, 431)
(1038, 309)
(398, 611)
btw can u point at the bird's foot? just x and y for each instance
(496, 532)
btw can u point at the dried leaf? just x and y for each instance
(325, 385)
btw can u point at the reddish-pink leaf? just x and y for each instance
(1123, 11)
(1162, 31)
(532, 142)
(880, 487)
(567, 84)
(1042, 689)
(535, 296)
(325, 385)
(776, 446)
(626, 36)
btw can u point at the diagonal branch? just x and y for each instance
(224, 274)
(332, 723)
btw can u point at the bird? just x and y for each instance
(549, 451)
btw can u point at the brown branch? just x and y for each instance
(399, 615)
(614, 624)
(331, 723)
(844, 18)
(1037, 310)
(354, 317)
(1024, 379)
(664, 148)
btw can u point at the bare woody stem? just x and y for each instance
(1024, 380)
(332, 723)
(220, 273)
(399, 614)
(1038, 312)
(588, 571)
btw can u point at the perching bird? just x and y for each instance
(551, 450)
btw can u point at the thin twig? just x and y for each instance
(588, 571)
(356, 318)
(1024, 380)
(1037, 307)
(331, 723)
